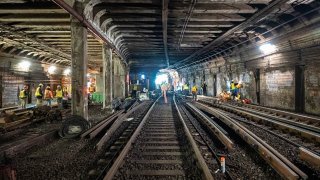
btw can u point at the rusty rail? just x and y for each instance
(215, 128)
(117, 123)
(127, 147)
(277, 161)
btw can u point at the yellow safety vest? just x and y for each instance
(232, 86)
(185, 87)
(37, 94)
(59, 93)
(22, 94)
(194, 89)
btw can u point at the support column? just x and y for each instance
(126, 77)
(107, 77)
(299, 85)
(79, 101)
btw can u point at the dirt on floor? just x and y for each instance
(61, 158)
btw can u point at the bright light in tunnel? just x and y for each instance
(267, 48)
(162, 78)
(67, 71)
(51, 69)
(24, 65)
(143, 76)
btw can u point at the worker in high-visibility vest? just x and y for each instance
(23, 96)
(59, 96)
(194, 91)
(185, 89)
(48, 95)
(39, 95)
(232, 89)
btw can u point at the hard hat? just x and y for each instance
(40, 84)
(58, 86)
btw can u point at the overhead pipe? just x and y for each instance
(87, 24)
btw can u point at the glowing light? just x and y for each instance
(88, 75)
(267, 48)
(67, 71)
(161, 78)
(51, 69)
(24, 65)
(143, 76)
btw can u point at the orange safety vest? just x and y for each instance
(48, 94)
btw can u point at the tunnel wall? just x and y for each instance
(12, 80)
(277, 79)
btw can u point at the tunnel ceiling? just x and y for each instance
(148, 33)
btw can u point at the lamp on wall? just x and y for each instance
(24, 65)
(51, 69)
(67, 71)
(268, 48)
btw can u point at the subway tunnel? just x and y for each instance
(159, 89)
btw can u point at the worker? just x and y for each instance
(48, 95)
(194, 91)
(23, 96)
(39, 95)
(59, 96)
(204, 88)
(232, 89)
(92, 88)
(164, 88)
(186, 89)
(134, 90)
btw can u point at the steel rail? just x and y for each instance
(301, 117)
(117, 123)
(127, 147)
(311, 135)
(277, 118)
(203, 165)
(216, 129)
(277, 161)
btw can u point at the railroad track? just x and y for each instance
(161, 147)
(309, 133)
(276, 160)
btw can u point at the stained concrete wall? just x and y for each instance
(277, 71)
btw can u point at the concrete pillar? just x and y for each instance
(126, 77)
(112, 74)
(107, 77)
(79, 102)
(123, 80)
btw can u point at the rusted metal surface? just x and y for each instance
(215, 129)
(282, 165)
(309, 157)
(126, 149)
(101, 125)
(206, 172)
(117, 124)
(28, 143)
(152, 129)
(300, 117)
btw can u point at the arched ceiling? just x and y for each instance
(147, 33)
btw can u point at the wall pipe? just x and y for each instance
(87, 24)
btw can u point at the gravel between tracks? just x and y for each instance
(286, 149)
(60, 159)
